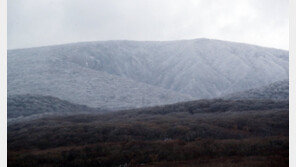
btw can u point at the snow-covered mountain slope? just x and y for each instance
(48, 75)
(120, 73)
(275, 91)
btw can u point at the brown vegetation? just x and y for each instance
(201, 133)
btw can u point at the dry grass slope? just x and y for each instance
(198, 133)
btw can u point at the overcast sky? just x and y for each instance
(46, 22)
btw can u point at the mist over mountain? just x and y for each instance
(130, 74)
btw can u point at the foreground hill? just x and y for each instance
(197, 133)
(129, 74)
(275, 91)
(23, 106)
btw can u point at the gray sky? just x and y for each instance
(46, 22)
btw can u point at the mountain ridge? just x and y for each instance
(128, 40)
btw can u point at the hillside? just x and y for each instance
(275, 91)
(130, 74)
(49, 76)
(196, 133)
(22, 106)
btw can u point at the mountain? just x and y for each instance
(129, 74)
(276, 91)
(21, 106)
(46, 75)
